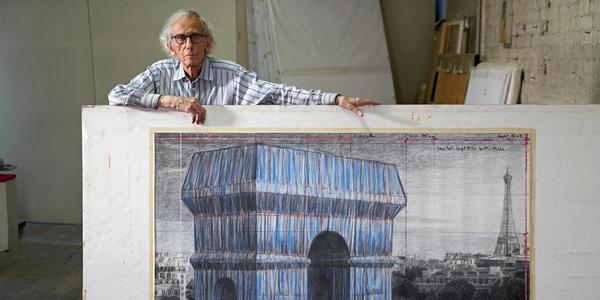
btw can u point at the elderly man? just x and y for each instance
(191, 78)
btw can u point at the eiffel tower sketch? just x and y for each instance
(507, 243)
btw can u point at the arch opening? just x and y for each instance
(224, 289)
(329, 270)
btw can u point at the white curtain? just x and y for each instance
(262, 48)
(333, 45)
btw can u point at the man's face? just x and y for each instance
(189, 53)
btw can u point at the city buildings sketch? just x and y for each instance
(465, 227)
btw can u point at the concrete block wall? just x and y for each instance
(556, 42)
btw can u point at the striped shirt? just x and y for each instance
(220, 82)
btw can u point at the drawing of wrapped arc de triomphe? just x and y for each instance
(273, 222)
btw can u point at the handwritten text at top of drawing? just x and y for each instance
(469, 148)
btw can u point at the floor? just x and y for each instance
(46, 264)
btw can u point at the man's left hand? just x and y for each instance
(352, 104)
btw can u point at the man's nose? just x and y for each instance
(188, 41)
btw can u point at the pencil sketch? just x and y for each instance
(342, 215)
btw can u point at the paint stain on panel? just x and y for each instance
(418, 117)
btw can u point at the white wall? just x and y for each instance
(56, 56)
(45, 78)
(117, 211)
(125, 35)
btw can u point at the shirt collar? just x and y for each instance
(205, 73)
(180, 73)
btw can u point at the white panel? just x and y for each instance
(9, 229)
(116, 174)
(487, 87)
(3, 217)
(494, 83)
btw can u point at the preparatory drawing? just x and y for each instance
(349, 215)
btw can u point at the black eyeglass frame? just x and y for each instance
(195, 38)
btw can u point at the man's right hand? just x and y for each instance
(185, 104)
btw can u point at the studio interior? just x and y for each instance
(299, 149)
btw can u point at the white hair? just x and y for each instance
(165, 33)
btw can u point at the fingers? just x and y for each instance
(185, 104)
(198, 117)
(202, 116)
(198, 112)
(352, 104)
(358, 112)
(353, 108)
(363, 102)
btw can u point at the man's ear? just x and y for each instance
(209, 44)
(170, 46)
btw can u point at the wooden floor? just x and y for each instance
(47, 264)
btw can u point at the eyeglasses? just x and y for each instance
(195, 38)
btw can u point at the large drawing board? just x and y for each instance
(117, 213)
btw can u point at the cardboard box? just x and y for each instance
(451, 88)
(438, 48)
